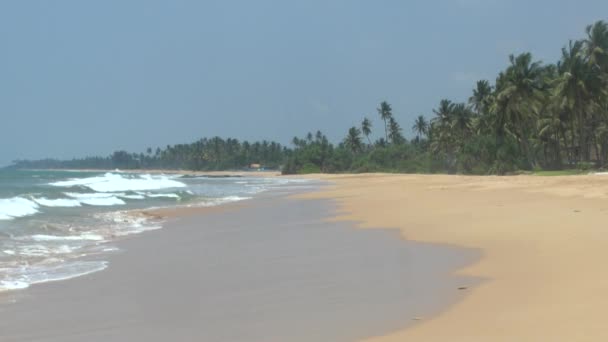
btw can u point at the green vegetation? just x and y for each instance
(205, 154)
(534, 117)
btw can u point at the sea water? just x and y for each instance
(56, 225)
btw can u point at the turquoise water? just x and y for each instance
(57, 225)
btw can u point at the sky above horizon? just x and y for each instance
(84, 78)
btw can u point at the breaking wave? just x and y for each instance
(112, 182)
(11, 208)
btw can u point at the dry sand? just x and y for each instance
(544, 242)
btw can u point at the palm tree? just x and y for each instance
(441, 126)
(366, 128)
(550, 129)
(309, 137)
(461, 121)
(481, 97)
(420, 126)
(386, 113)
(444, 112)
(596, 53)
(596, 45)
(520, 92)
(394, 131)
(353, 140)
(572, 91)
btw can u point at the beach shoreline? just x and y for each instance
(322, 278)
(227, 173)
(541, 239)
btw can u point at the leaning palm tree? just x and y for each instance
(353, 140)
(420, 126)
(366, 128)
(386, 112)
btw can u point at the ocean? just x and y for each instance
(56, 225)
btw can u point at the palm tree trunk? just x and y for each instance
(385, 131)
(583, 136)
(558, 153)
(526, 147)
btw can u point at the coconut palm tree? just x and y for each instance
(366, 129)
(572, 91)
(596, 45)
(441, 126)
(353, 140)
(394, 131)
(386, 112)
(520, 93)
(461, 120)
(444, 113)
(480, 101)
(420, 126)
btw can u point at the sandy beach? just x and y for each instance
(517, 258)
(543, 241)
(271, 269)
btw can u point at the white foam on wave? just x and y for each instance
(162, 195)
(38, 250)
(21, 278)
(103, 201)
(59, 202)
(135, 197)
(86, 196)
(97, 199)
(112, 182)
(7, 285)
(221, 200)
(11, 208)
(44, 237)
(123, 223)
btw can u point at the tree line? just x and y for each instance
(205, 154)
(533, 116)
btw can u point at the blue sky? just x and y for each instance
(89, 77)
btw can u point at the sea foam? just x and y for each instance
(112, 182)
(11, 208)
(21, 278)
(60, 202)
(81, 237)
(97, 198)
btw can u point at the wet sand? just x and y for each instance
(544, 242)
(271, 269)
